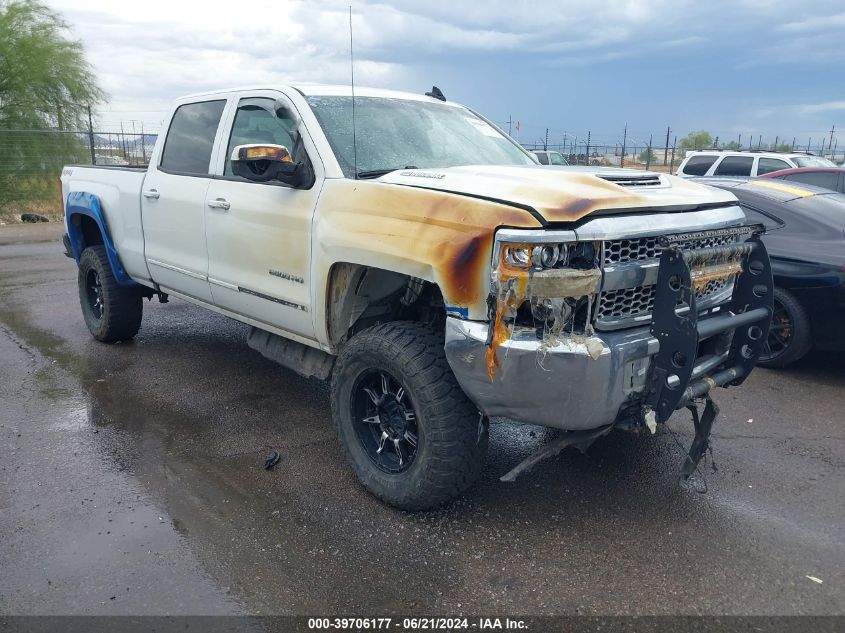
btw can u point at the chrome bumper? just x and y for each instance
(579, 383)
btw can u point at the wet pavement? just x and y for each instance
(131, 482)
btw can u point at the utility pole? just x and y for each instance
(648, 152)
(587, 151)
(793, 143)
(830, 142)
(134, 141)
(510, 124)
(666, 149)
(122, 140)
(776, 143)
(546, 141)
(739, 141)
(143, 144)
(674, 144)
(91, 137)
(624, 139)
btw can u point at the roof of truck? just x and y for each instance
(311, 89)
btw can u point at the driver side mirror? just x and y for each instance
(265, 162)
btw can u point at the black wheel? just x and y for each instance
(789, 334)
(112, 312)
(412, 436)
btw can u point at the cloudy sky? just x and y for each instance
(731, 67)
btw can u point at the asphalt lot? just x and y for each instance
(131, 482)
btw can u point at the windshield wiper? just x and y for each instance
(375, 173)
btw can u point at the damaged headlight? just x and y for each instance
(580, 255)
(545, 278)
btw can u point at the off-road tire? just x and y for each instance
(452, 445)
(121, 307)
(801, 340)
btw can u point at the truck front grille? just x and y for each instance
(630, 303)
(645, 248)
(625, 307)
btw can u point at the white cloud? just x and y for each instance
(830, 106)
(145, 54)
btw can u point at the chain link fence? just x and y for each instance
(663, 159)
(31, 161)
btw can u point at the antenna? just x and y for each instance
(352, 76)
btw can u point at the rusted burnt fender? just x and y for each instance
(433, 235)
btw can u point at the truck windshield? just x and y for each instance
(404, 134)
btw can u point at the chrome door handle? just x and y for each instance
(152, 193)
(219, 203)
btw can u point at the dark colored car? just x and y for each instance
(806, 243)
(827, 177)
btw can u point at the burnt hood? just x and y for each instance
(566, 194)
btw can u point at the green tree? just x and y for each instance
(45, 84)
(697, 140)
(647, 156)
(730, 145)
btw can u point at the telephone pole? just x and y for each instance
(666, 148)
(91, 137)
(624, 139)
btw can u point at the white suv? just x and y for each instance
(716, 162)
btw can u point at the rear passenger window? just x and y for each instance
(768, 165)
(543, 158)
(828, 180)
(698, 165)
(735, 166)
(187, 148)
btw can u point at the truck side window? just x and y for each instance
(187, 148)
(698, 165)
(256, 122)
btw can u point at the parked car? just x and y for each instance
(806, 242)
(827, 177)
(717, 162)
(434, 292)
(550, 158)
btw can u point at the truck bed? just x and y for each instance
(119, 191)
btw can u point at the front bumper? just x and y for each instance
(579, 383)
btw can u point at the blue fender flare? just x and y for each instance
(84, 203)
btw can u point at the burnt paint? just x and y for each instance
(433, 235)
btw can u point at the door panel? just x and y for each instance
(173, 200)
(174, 233)
(259, 252)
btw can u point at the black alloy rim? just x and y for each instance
(781, 333)
(94, 291)
(385, 421)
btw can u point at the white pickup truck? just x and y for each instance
(408, 249)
